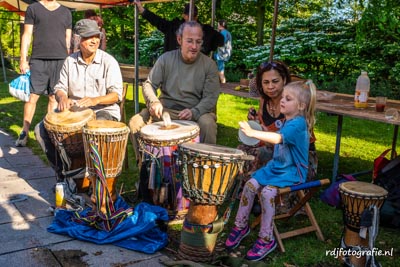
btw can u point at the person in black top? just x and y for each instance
(211, 41)
(47, 26)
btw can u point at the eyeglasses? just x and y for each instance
(192, 42)
(269, 64)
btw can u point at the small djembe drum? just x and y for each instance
(110, 139)
(65, 131)
(159, 144)
(208, 173)
(358, 197)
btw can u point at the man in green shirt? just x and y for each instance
(189, 87)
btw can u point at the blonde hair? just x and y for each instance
(306, 92)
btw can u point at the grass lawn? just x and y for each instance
(362, 141)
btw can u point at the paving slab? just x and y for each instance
(26, 193)
(106, 255)
(36, 257)
(23, 235)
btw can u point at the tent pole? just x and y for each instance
(2, 63)
(271, 50)
(136, 87)
(213, 7)
(191, 10)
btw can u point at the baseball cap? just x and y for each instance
(87, 28)
(187, 9)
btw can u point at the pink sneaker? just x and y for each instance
(236, 236)
(260, 249)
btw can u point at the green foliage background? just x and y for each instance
(327, 41)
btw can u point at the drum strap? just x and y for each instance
(65, 160)
(112, 218)
(211, 228)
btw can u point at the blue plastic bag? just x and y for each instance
(20, 87)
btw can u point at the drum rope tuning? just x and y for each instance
(111, 218)
(197, 165)
(358, 198)
(157, 146)
(373, 230)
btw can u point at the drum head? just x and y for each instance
(363, 189)
(216, 151)
(69, 118)
(179, 129)
(249, 140)
(105, 125)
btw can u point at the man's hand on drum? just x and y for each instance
(87, 102)
(185, 114)
(64, 103)
(156, 109)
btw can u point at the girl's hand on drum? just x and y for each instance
(156, 109)
(185, 114)
(245, 128)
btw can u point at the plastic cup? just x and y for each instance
(392, 114)
(380, 103)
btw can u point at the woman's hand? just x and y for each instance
(252, 114)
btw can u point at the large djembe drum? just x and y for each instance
(159, 144)
(110, 139)
(357, 198)
(65, 131)
(208, 173)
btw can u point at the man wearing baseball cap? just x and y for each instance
(211, 41)
(90, 78)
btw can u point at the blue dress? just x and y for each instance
(289, 164)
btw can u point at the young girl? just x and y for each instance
(287, 167)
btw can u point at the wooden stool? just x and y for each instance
(304, 197)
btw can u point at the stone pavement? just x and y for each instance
(25, 197)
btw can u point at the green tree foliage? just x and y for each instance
(10, 41)
(328, 41)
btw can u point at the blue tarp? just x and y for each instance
(138, 232)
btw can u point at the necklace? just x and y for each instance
(272, 110)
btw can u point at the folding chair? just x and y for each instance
(304, 191)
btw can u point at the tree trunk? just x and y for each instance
(260, 21)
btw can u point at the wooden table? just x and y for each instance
(128, 72)
(343, 105)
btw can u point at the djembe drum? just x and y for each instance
(159, 144)
(208, 174)
(357, 197)
(110, 139)
(65, 131)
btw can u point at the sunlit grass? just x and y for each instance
(362, 141)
